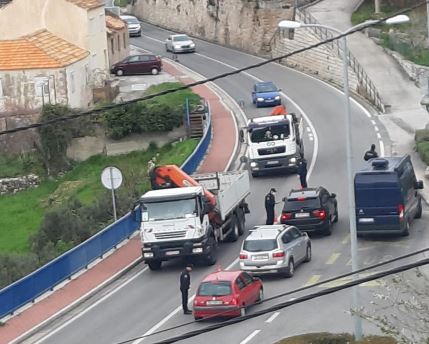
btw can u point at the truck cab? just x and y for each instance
(274, 143)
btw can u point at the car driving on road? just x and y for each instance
(266, 94)
(310, 209)
(134, 26)
(138, 64)
(179, 44)
(226, 294)
(274, 249)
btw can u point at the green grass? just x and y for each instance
(416, 51)
(18, 165)
(175, 97)
(21, 214)
(121, 3)
(329, 338)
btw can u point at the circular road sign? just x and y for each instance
(111, 177)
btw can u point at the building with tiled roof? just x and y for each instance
(42, 68)
(117, 38)
(87, 4)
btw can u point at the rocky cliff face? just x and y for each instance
(248, 25)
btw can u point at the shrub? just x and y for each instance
(423, 150)
(14, 266)
(421, 135)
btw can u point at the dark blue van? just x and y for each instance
(386, 196)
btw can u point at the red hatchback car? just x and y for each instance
(226, 294)
(138, 64)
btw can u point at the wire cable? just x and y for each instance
(408, 255)
(201, 82)
(298, 300)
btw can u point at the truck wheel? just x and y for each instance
(210, 258)
(419, 210)
(154, 265)
(406, 231)
(241, 221)
(255, 174)
(235, 232)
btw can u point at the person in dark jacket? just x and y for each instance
(302, 172)
(185, 283)
(370, 154)
(270, 202)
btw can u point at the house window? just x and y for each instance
(119, 43)
(112, 43)
(91, 25)
(87, 72)
(72, 81)
(125, 42)
(102, 22)
(1, 89)
(41, 84)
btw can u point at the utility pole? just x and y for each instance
(377, 6)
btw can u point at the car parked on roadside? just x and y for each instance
(138, 64)
(274, 249)
(180, 44)
(226, 294)
(310, 209)
(266, 94)
(134, 26)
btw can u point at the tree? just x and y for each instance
(401, 308)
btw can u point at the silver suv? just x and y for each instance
(274, 249)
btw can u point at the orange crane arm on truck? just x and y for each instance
(173, 176)
(279, 110)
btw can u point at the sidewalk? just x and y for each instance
(395, 88)
(84, 285)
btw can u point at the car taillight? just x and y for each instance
(243, 256)
(286, 216)
(321, 214)
(401, 210)
(279, 254)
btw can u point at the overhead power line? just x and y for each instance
(298, 300)
(217, 77)
(338, 277)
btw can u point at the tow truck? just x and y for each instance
(184, 216)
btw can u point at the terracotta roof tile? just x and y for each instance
(114, 23)
(40, 50)
(87, 4)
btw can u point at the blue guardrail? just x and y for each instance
(45, 278)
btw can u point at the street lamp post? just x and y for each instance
(287, 24)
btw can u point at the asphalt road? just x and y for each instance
(144, 302)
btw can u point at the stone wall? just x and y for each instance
(22, 141)
(243, 24)
(14, 185)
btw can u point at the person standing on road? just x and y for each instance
(370, 154)
(302, 172)
(270, 202)
(185, 283)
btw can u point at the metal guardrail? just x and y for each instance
(369, 90)
(28, 288)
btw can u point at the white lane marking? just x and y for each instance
(376, 128)
(373, 122)
(378, 136)
(310, 138)
(250, 337)
(308, 129)
(272, 317)
(307, 119)
(86, 310)
(381, 147)
(173, 313)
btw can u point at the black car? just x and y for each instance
(310, 209)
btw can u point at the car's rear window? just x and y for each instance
(378, 197)
(215, 288)
(260, 245)
(308, 203)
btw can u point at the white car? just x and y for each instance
(134, 26)
(179, 44)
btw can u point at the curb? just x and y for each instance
(221, 94)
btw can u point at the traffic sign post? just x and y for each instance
(111, 178)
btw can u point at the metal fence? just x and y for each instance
(367, 88)
(28, 288)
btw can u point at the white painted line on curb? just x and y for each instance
(272, 317)
(86, 310)
(381, 148)
(173, 313)
(250, 337)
